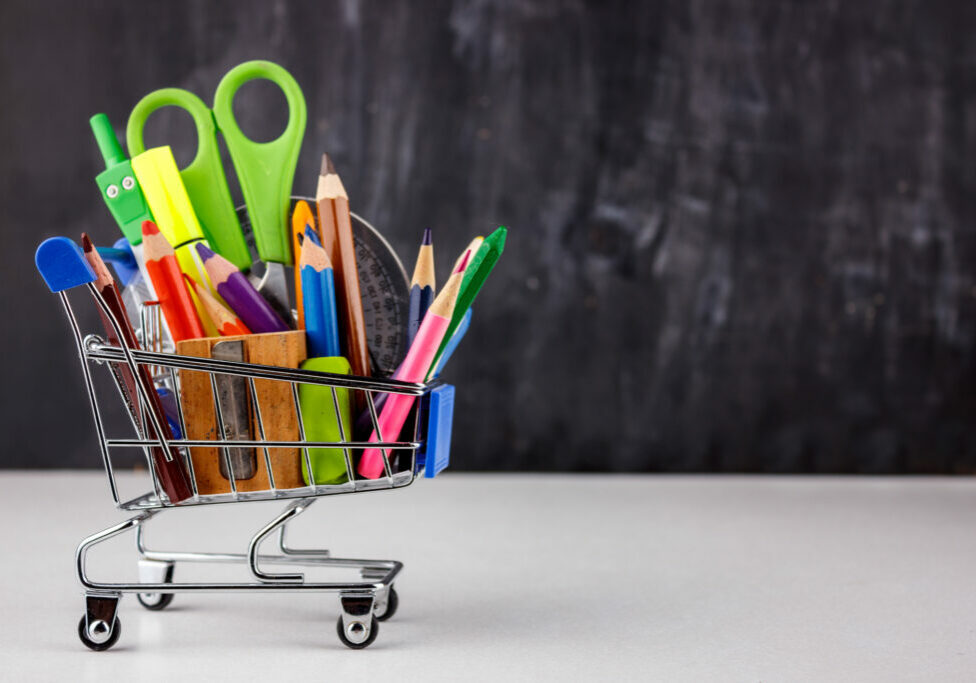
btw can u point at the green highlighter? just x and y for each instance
(319, 419)
(118, 183)
(477, 271)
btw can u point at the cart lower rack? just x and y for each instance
(288, 467)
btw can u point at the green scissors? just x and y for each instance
(265, 171)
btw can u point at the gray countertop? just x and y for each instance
(530, 577)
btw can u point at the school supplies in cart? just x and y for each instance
(254, 410)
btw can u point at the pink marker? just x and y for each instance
(414, 369)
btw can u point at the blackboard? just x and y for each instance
(742, 234)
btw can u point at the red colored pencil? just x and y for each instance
(171, 474)
(167, 278)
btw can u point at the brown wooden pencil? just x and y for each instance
(337, 239)
(170, 472)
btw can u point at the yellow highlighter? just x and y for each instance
(163, 188)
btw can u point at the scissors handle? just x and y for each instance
(265, 169)
(204, 179)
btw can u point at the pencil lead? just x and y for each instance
(86, 243)
(464, 262)
(204, 251)
(149, 228)
(312, 237)
(427, 237)
(327, 167)
(301, 237)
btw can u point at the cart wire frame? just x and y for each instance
(362, 603)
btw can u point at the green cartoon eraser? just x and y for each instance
(118, 183)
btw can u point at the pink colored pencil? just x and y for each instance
(240, 294)
(413, 369)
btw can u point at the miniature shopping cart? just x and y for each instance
(363, 603)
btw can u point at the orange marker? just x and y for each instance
(167, 279)
(224, 320)
(299, 219)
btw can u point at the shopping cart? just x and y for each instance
(363, 603)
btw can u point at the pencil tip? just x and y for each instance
(312, 237)
(327, 166)
(204, 251)
(149, 228)
(463, 262)
(427, 237)
(301, 237)
(86, 242)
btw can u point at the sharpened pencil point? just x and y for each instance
(204, 251)
(327, 166)
(427, 237)
(464, 262)
(312, 237)
(149, 228)
(86, 243)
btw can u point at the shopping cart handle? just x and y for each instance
(62, 264)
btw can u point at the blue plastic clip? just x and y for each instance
(62, 264)
(122, 259)
(436, 453)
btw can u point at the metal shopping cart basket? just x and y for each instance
(363, 603)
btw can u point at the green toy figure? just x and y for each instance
(118, 183)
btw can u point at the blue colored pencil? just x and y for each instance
(456, 338)
(421, 287)
(318, 299)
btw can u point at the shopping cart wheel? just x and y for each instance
(392, 602)
(154, 601)
(153, 571)
(356, 627)
(100, 636)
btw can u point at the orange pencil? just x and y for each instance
(299, 219)
(167, 278)
(224, 320)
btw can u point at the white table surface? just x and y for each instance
(530, 577)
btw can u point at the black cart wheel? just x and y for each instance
(374, 629)
(103, 636)
(154, 601)
(392, 602)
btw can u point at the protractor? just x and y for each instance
(385, 291)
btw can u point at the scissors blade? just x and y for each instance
(273, 285)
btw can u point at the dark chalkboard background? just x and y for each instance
(742, 234)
